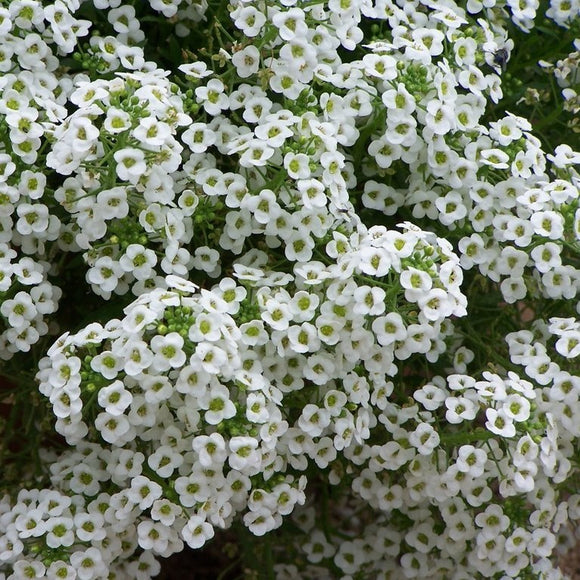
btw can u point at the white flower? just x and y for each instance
(276, 314)
(256, 410)
(244, 455)
(153, 536)
(261, 521)
(320, 367)
(249, 20)
(88, 564)
(298, 167)
(117, 120)
(176, 260)
(452, 206)
(165, 511)
(495, 158)
(246, 61)
(114, 398)
(264, 207)
(389, 329)
(541, 542)
(33, 218)
(28, 569)
(546, 256)
(416, 283)
(471, 460)
(212, 358)
(350, 556)
(381, 66)
(440, 117)
(460, 409)
(399, 99)
(199, 137)
(212, 97)
(517, 541)
(60, 570)
(143, 492)
(139, 261)
(424, 438)
(548, 223)
(516, 407)
(82, 134)
(472, 79)
(499, 422)
(375, 261)
(513, 289)
(436, 304)
(105, 274)
(165, 460)
(59, 532)
(107, 364)
(492, 521)
(273, 133)
(113, 428)
(254, 333)
(211, 449)
(127, 464)
(152, 133)
(430, 396)
(505, 130)
(256, 153)
(197, 70)
(207, 260)
(313, 420)
(138, 316)
(218, 405)
(130, 164)
(369, 300)
(19, 311)
(303, 306)
(290, 23)
(112, 203)
(168, 351)
(303, 338)
(524, 476)
(318, 547)
(335, 401)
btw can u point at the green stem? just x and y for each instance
(464, 437)
(269, 558)
(223, 574)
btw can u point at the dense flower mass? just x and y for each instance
(293, 270)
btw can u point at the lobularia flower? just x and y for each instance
(114, 398)
(168, 351)
(217, 404)
(499, 422)
(246, 61)
(115, 429)
(212, 96)
(130, 164)
(425, 439)
(244, 455)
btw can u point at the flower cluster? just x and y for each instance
(175, 370)
(27, 300)
(566, 72)
(123, 218)
(92, 534)
(306, 269)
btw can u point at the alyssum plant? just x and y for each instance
(288, 268)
